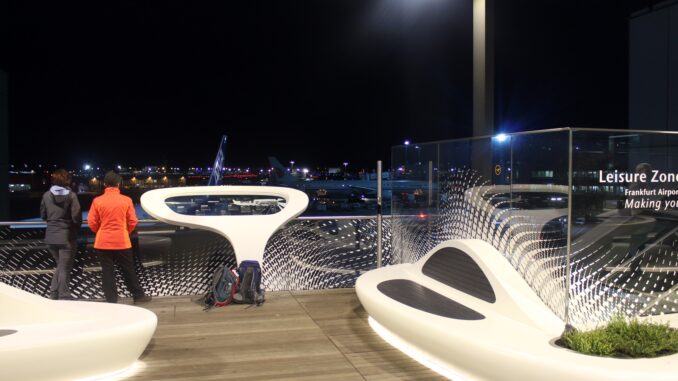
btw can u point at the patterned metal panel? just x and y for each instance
(178, 261)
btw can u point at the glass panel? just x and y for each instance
(415, 199)
(625, 225)
(225, 205)
(538, 214)
(509, 191)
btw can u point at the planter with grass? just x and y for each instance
(621, 338)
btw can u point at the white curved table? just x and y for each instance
(512, 341)
(249, 233)
(54, 340)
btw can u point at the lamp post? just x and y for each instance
(291, 165)
(483, 67)
(345, 167)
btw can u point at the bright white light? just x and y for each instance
(501, 138)
(87, 167)
(413, 352)
(118, 375)
(119, 167)
(305, 170)
(407, 142)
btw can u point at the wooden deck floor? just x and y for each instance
(307, 335)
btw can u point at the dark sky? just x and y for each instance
(317, 81)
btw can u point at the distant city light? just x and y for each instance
(305, 170)
(501, 138)
(87, 167)
(407, 142)
(119, 167)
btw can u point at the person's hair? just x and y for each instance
(61, 178)
(112, 179)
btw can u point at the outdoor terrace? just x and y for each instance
(297, 335)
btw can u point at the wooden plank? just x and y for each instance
(390, 364)
(301, 335)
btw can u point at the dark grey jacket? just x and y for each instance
(61, 209)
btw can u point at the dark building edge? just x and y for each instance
(4, 146)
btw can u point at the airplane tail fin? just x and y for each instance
(279, 175)
(218, 167)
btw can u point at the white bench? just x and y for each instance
(483, 327)
(67, 340)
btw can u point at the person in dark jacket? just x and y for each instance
(61, 209)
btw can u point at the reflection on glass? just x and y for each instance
(625, 223)
(225, 205)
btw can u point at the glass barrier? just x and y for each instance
(415, 198)
(336, 192)
(624, 254)
(613, 253)
(170, 260)
(493, 189)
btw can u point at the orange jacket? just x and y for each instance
(112, 217)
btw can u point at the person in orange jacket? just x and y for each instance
(112, 218)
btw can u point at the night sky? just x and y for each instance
(317, 81)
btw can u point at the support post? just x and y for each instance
(379, 215)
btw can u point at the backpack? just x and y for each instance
(249, 288)
(224, 285)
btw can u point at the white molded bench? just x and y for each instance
(67, 340)
(500, 332)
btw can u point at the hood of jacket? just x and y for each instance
(60, 194)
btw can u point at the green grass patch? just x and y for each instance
(624, 339)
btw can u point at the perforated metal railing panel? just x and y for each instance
(305, 254)
(456, 269)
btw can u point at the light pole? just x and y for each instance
(345, 167)
(291, 165)
(483, 67)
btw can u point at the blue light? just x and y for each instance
(407, 142)
(501, 138)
